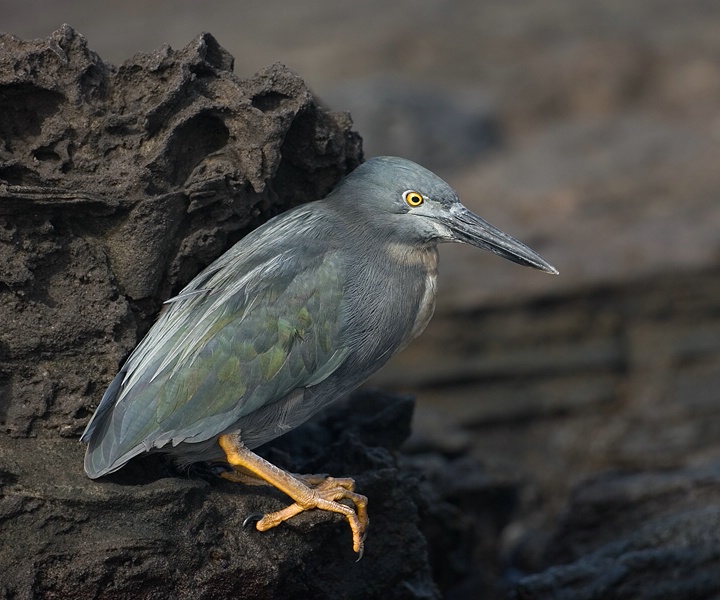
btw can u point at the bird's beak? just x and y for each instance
(467, 227)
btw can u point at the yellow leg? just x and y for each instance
(247, 478)
(324, 495)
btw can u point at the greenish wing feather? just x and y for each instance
(218, 356)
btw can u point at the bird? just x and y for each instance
(295, 315)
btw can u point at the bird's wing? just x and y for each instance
(239, 337)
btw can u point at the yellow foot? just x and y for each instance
(311, 491)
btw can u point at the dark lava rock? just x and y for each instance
(146, 533)
(651, 535)
(117, 185)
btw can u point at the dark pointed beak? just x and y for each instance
(467, 227)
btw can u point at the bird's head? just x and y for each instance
(412, 205)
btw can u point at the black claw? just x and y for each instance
(360, 554)
(251, 519)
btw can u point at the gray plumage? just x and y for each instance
(295, 315)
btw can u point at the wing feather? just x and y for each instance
(247, 332)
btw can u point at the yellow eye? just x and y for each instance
(413, 198)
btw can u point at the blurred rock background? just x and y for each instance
(591, 131)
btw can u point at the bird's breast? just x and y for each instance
(426, 307)
(419, 266)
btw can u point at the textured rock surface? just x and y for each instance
(548, 393)
(119, 185)
(640, 535)
(149, 533)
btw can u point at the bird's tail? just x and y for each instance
(101, 455)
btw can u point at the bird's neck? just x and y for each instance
(412, 255)
(420, 265)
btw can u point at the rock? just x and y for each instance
(463, 513)
(148, 532)
(635, 535)
(547, 393)
(562, 388)
(117, 185)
